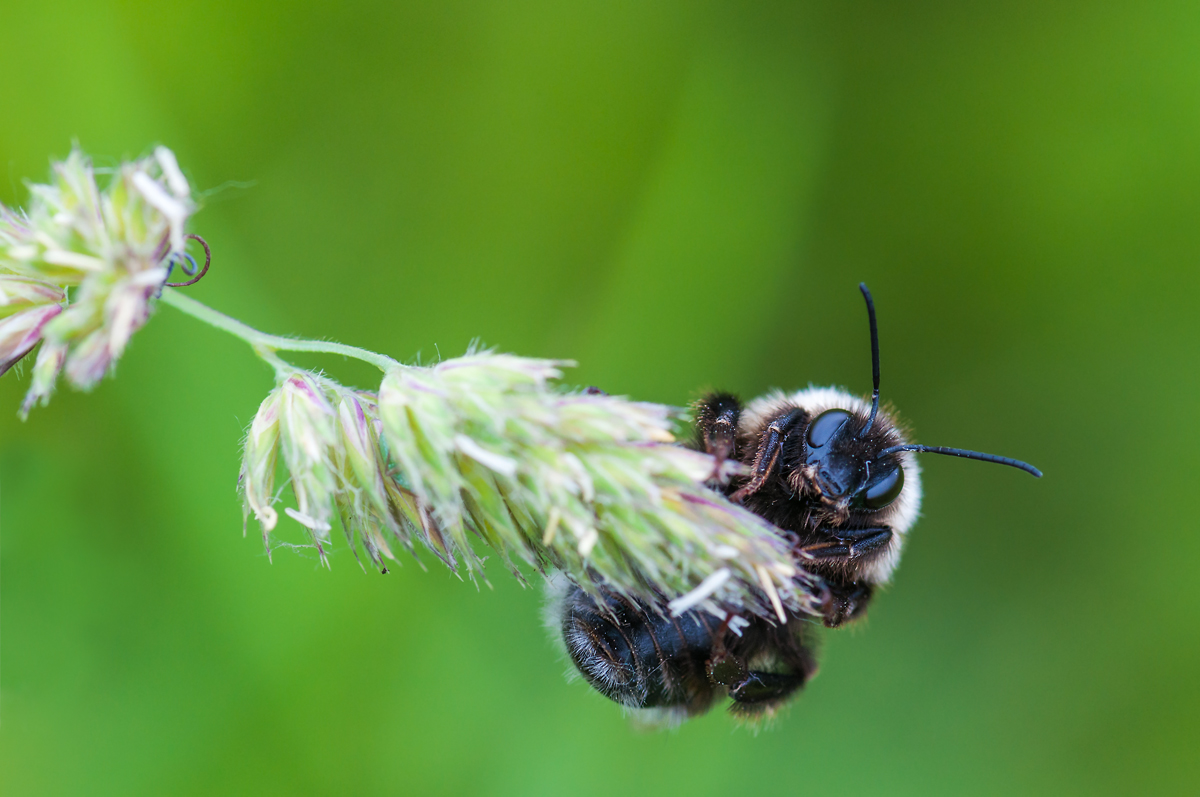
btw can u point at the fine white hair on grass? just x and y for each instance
(502, 465)
(701, 593)
(307, 521)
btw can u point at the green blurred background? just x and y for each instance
(679, 196)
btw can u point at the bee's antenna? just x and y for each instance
(862, 286)
(959, 452)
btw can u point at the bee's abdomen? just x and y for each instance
(636, 656)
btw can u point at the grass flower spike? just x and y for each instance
(588, 483)
(483, 450)
(107, 247)
(487, 450)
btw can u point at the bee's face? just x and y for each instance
(845, 467)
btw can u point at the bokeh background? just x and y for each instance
(679, 196)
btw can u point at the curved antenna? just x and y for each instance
(862, 286)
(960, 452)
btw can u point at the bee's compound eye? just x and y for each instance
(886, 490)
(825, 426)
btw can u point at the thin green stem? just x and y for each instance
(265, 345)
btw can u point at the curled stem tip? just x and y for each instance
(173, 259)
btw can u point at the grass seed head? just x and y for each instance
(106, 246)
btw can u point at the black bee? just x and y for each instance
(836, 476)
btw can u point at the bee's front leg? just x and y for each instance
(845, 551)
(717, 416)
(770, 450)
(847, 545)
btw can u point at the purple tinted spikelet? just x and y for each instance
(326, 437)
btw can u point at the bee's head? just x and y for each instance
(842, 458)
(852, 460)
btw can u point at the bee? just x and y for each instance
(837, 477)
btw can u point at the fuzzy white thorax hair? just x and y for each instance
(901, 514)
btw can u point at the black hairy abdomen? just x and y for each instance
(635, 655)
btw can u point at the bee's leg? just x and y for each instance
(848, 544)
(845, 602)
(717, 417)
(756, 692)
(770, 446)
(762, 691)
(836, 602)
